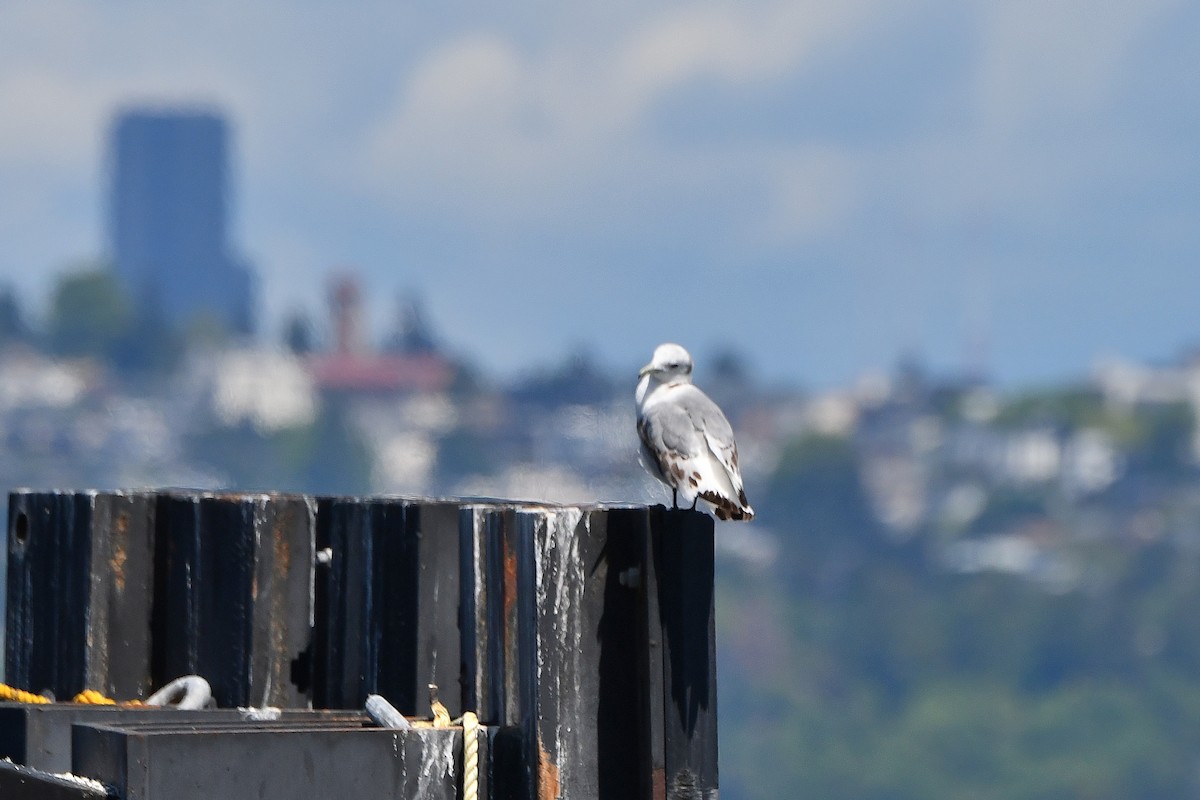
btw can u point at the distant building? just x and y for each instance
(169, 214)
(354, 369)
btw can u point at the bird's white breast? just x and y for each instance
(643, 389)
(651, 392)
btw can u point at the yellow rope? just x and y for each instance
(92, 697)
(470, 727)
(441, 717)
(15, 695)
(87, 696)
(470, 723)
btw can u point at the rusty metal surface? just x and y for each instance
(49, 579)
(234, 593)
(283, 598)
(269, 762)
(516, 584)
(585, 657)
(122, 594)
(582, 636)
(40, 735)
(481, 609)
(79, 592)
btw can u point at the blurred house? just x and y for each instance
(269, 390)
(1127, 384)
(353, 369)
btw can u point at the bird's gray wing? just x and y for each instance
(670, 437)
(720, 479)
(710, 422)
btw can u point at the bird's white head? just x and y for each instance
(671, 364)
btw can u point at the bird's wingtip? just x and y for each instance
(728, 509)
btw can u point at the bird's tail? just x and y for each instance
(728, 508)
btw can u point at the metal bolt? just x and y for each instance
(630, 578)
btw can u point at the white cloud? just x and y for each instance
(736, 44)
(1056, 61)
(502, 133)
(461, 118)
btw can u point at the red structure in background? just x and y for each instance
(380, 373)
(345, 306)
(351, 367)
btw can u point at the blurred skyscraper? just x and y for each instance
(169, 213)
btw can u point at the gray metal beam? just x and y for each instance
(273, 763)
(18, 782)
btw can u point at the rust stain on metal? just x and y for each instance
(277, 620)
(510, 579)
(548, 784)
(658, 784)
(283, 555)
(118, 556)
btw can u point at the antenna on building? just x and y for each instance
(411, 334)
(345, 309)
(977, 302)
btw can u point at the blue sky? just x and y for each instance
(820, 186)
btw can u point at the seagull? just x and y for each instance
(686, 441)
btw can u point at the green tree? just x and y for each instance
(90, 315)
(817, 503)
(12, 320)
(298, 333)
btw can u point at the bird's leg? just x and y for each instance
(694, 499)
(674, 497)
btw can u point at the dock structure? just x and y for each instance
(580, 637)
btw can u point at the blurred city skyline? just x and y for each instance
(1012, 189)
